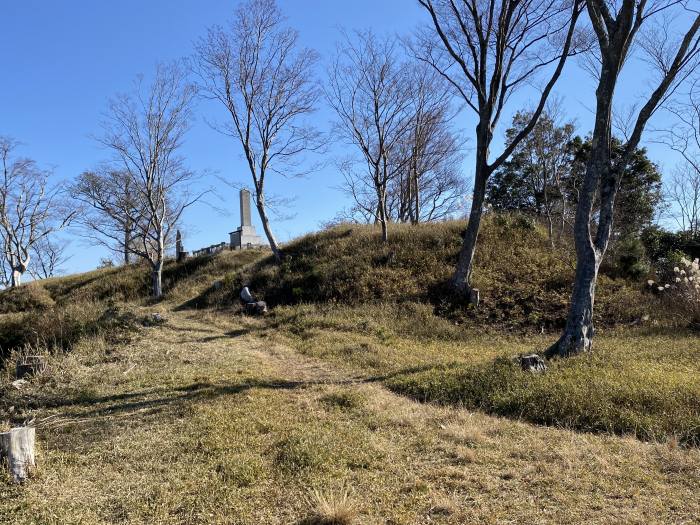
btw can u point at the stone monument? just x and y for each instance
(180, 253)
(245, 236)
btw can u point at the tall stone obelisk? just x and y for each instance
(244, 197)
(245, 236)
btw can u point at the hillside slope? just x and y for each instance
(524, 283)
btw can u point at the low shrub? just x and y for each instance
(59, 329)
(681, 296)
(32, 296)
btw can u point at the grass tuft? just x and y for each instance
(331, 508)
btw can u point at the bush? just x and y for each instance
(629, 259)
(681, 296)
(32, 296)
(59, 329)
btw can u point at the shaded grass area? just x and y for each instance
(208, 420)
(644, 382)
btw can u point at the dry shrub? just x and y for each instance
(681, 297)
(32, 296)
(331, 508)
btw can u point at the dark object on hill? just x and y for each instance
(154, 319)
(252, 305)
(532, 363)
(256, 308)
(17, 451)
(31, 365)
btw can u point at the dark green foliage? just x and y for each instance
(639, 195)
(629, 258)
(661, 243)
(531, 181)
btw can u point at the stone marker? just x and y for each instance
(17, 451)
(180, 253)
(245, 236)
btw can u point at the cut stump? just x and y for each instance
(532, 363)
(30, 365)
(17, 452)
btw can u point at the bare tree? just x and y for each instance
(369, 91)
(145, 131)
(617, 25)
(683, 137)
(683, 195)
(111, 209)
(487, 49)
(429, 185)
(48, 257)
(264, 79)
(30, 210)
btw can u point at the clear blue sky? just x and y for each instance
(61, 61)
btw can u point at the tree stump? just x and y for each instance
(532, 363)
(474, 297)
(17, 451)
(30, 365)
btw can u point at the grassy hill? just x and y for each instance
(368, 395)
(524, 284)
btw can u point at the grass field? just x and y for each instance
(210, 418)
(396, 409)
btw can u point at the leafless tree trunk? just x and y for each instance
(369, 92)
(616, 25)
(30, 210)
(145, 131)
(258, 71)
(110, 209)
(487, 49)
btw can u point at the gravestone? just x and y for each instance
(245, 236)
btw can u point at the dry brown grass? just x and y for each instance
(185, 423)
(331, 507)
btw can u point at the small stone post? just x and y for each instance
(17, 451)
(180, 253)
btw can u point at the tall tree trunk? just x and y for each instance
(461, 280)
(16, 279)
(416, 197)
(383, 216)
(157, 280)
(157, 274)
(262, 211)
(578, 333)
(127, 244)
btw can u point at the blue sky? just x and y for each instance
(61, 61)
